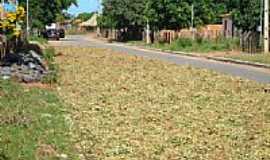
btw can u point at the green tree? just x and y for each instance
(123, 13)
(43, 12)
(85, 16)
(247, 14)
(176, 14)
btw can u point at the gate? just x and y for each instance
(250, 42)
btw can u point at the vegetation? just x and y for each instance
(52, 76)
(38, 39)
(34, 124)
(199, 45)
(85, 16)
(126, 107)
(46, 12)
(75, 31)
(175, 14)
(260, 58)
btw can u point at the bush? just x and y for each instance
(52, 76)
(184, 42)
(201, 45)
(49, 54)
(75, 31)
(38, 39)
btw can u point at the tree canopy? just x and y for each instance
(42, 12)
(85, 16)
(122, 13)
(176, 14)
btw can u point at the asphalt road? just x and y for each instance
(246, 72)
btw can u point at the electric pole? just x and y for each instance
(261, 23)
(266, 26)
(148, 32)
(192, 21)
(27, 18)
(148, 39)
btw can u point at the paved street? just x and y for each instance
(246, 72)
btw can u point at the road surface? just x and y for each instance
(246, 72)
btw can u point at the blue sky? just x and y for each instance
(84, 6)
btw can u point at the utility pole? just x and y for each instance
(148, 38)
(261, 22)
(192, 21)
(27, 18)
(99, 13)
(266, 26)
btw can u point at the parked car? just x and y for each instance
(61, 33)
(52, 34)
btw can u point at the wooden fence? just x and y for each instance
(206, 32)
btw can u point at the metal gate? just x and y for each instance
(251, 42)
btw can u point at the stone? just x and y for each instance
(28, 78)
(63, 156)
(25, 66)
(36, 56)
(5, 71)
(6, 77)
(31, 65)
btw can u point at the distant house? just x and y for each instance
(90, 24)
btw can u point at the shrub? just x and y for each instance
(52, 76)
(201, 45)
(38, 39)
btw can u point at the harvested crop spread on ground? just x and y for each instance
(126, 107)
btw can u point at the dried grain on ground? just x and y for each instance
(126, 107)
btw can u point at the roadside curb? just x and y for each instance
(219, 59)
(42, 46)
(230, 60)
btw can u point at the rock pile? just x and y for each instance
(25, 66)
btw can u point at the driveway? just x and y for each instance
(246, 72)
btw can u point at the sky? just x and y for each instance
(85, 6)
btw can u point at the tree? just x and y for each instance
(43, 12)
(85, 16)
(176, 14)
(123, 13)
(247, 14)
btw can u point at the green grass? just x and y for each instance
(38, 39)
(32, 121)
(127, 107)
(75, 31)
(260, 58)
(136, 43)
(199, 45)
(52, 76)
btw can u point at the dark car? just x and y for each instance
(61, 33)
(51, 34)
